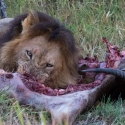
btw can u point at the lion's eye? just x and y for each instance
(29, 54)
(49, 65)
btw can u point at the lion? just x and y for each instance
(40, 45)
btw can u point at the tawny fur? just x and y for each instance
(38, 44)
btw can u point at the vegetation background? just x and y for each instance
(89, 20)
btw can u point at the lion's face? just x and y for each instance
(39, 45)
(40, 58)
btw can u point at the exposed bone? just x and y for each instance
(63, 109)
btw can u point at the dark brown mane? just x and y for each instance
(46, 24)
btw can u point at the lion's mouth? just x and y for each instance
(87, 81)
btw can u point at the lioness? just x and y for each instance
(38, 44)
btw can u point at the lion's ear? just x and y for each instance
(30, 20)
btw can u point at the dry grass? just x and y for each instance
(90, 20)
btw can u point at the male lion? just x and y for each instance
(39, 45)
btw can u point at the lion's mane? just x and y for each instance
(26, 27)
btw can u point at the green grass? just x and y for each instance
(89, 20)
(105, 112)
(12, 113)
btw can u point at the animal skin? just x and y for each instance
(38, 44)
(63, 109)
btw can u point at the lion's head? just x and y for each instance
(38, 44)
